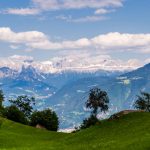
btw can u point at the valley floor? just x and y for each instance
(130, 132)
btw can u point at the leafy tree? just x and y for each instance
(14, 114)
(143, 102)
(24, 104)
(92, 120)
(98, 100)
(45, 118)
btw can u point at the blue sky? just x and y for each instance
(53, 28)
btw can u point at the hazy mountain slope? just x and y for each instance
(27, 82)
(69, 101)
(32, 82)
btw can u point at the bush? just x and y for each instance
(92, 120)
(14, 114)
(45, 118)
(143, 102)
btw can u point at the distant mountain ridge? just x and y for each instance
(33, 82)
(68, 63)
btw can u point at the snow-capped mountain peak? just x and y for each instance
(69, 63)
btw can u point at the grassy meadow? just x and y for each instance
(130, 132)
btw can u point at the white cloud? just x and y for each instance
(83, 19)
(122, 41)
(135, 62)
(147, 61)
(7, 35)
(14, 46)
(18, 58)
(100, 7)
(22, 11)
(110, 42)
(103, 11)
(76, 4)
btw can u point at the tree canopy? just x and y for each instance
(98, 100)
(46, 118)
(143, 102)
(14, 114)
(24, 104)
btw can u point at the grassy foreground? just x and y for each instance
(130, 132)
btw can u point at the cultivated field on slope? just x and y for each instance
(130, 132)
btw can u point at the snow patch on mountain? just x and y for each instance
(78, 63)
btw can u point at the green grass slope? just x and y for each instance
(130, 132)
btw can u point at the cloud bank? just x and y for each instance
(99, 8)
(110, 42)
(22, 11)
(76, 4)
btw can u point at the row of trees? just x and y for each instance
(98, 101)
(21, 110)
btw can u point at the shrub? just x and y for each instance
(143, 102)
(92, 120)
(45, 118)
(14, 114)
